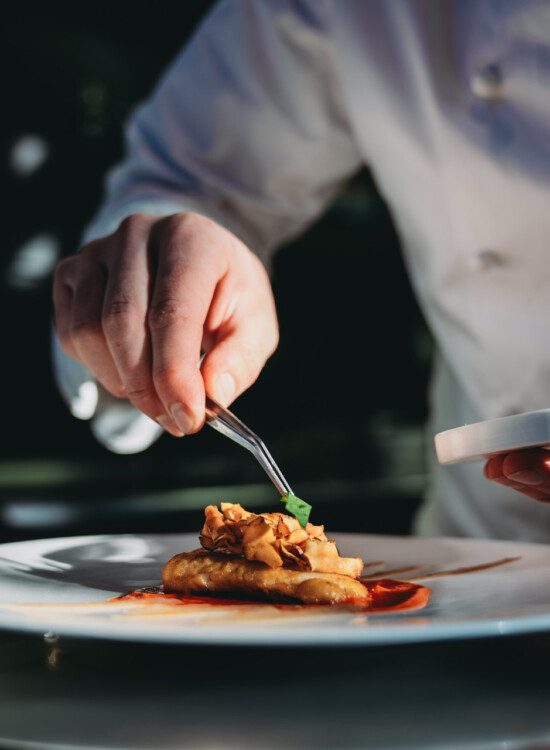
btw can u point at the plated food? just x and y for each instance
(268, 556)
(272, 557)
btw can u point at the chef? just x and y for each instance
(245, 141)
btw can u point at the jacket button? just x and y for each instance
(487, 83)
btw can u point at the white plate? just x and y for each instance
(479, 440)
(59, 585)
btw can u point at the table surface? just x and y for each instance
(491, 693)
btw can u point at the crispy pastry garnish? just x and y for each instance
(274, 539)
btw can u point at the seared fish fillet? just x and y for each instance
(203, 572)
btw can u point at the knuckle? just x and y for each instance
(132, 223)
(164, 313)
(127, 223)
(117, 389)
(93, 256)
(190, 221)
(64, 269)
(139, 392)
(185, 221)
(177, 230)
(119, 314)
(167, 378)
(191, 242)
(91, 250)
(85, 330)
(131, 231)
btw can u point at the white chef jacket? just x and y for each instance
(275, 102)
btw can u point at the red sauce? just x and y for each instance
(389, 595)
(386, 596)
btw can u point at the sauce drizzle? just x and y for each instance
(466, 569)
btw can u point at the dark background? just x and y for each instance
(341, 404)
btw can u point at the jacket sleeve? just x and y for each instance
(248, 127)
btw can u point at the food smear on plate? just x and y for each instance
(271, 557)
(384, 596)
(463, 570)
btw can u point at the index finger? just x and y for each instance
(186, 277)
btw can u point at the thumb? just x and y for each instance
(233, 365)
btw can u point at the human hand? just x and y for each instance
(527, 471)
(139, 306)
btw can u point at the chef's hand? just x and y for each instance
(527, 471)
(139, 306)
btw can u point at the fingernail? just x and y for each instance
(167, 424)
(184, 420)
(225, 388)
(527, 476)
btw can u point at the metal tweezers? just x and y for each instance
(231, 426)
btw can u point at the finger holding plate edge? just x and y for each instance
(527, 471)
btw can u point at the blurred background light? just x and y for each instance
(34, 261)
(28, 154)
(25, 514)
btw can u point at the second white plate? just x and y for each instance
(480, 440)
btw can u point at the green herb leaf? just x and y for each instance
(299, 508)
